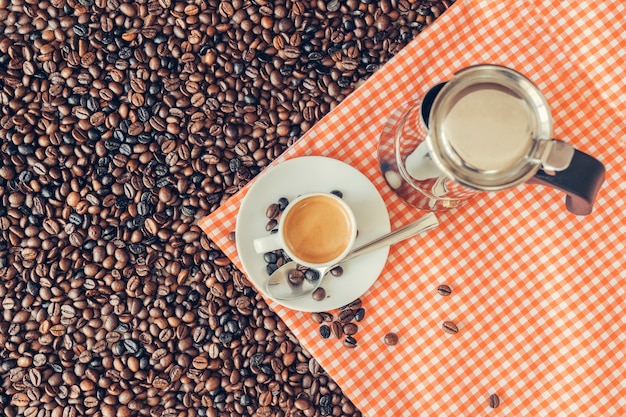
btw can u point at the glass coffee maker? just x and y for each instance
(488, 128)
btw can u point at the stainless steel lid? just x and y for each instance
(490, 128)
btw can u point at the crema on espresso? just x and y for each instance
(318, 229)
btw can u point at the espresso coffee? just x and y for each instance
(318, 229)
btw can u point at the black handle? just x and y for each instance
(580, 181)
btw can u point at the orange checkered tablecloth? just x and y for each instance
(539, 294)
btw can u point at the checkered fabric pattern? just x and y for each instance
(539, 294)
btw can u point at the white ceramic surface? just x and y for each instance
(306, 175)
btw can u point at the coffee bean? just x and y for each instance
(311, 275)
(494, 401)
(350, 342)
(350, 329)
(444, 290)
(391, 339)
(347, 315)
(324, 331)
(295, 277)
(317, 317)
(337, 329)
(319, 294)
(272, 211)
(449, 327)
(337, 271)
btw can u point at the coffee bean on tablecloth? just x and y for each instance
(444, 290)
(350, 342)
(350, 328)
(390, 339)
(494, 401)
(326, 316)
(359, 314)
(325, 331)
(317, 317)
(346, 316)
(354, 305)
(337, 329)
(449, 327)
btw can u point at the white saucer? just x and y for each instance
(315, 174)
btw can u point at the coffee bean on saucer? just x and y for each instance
(270, 257)
(349, 342)
(311, 275)
(295, 277)
(272, 211)
(337, 271)
(337, 193)
(319, 294)
(444, 290)
(494, 401)
(390, 339)
(324, 331)
(282, 203)
(271, 225)
(449, 327)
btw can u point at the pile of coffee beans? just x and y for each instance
(342, 323)
(123, 122)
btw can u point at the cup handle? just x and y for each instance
(581, 181)
(267, 243)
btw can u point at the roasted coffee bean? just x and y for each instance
(354, 305)
(295, 277)
(324, 331)
(337, 271)
(390, 339)
(359, 314)
(494, 401)
(350, 342)
(311, 275)
(444, 290)
(317, 317)
(282, 203)
(319, 294)
(337, 329)
(450, 327)
(346, 316)
(350, 329)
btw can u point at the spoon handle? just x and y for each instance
(428, 222)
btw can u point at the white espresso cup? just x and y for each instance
(315, 230)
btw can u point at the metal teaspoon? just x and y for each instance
(279, 287)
